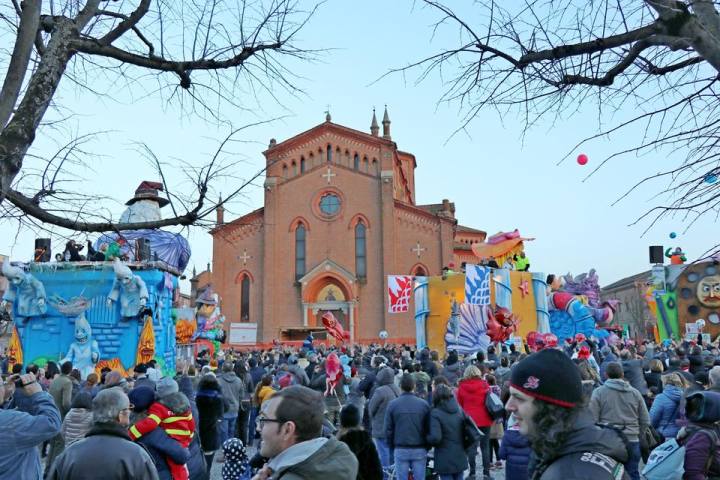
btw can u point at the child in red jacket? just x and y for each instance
(171, 413)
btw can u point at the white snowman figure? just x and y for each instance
(145, 205)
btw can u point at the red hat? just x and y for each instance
(149, 191)
(583, 353)
(579, 337)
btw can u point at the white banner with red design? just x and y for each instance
(400, 288)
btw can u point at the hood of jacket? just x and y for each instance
(475, 386)
(177, 402)
(617, 384)
(333, 460)
(454, 367)
(357, 439)
(588, 437)
(229, 377)
(449, 406)
(672, 392)
(385, 376)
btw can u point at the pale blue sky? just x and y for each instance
(497, 179)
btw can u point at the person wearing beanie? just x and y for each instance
(701, 437)
(453, 368)
(141, 377)
(172, 413)
(78, 420)
(360, 443)
(546, 400)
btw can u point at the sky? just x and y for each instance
(499, 176)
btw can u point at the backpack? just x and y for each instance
(667, 462)
(494, 406)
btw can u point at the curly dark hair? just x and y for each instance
(552, 426)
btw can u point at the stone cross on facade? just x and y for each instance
(418, 250)
(244, 257)
(328, 175)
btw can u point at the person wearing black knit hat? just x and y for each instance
(546, 399)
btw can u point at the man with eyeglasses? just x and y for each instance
(290, 426)
(106, 451)
(22, 432)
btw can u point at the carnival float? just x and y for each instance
(113, 309)
(467, 311)
(685, 300)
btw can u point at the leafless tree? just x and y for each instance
(203, 54)
(546, 58)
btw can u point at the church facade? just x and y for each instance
(339, 216)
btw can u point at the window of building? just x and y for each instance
(299, 251)
(329, 154)
(356, 162)
(360, 250)
(245, 299)
(302, 164)
(294, 168)
(330, 204)
(419, 272)
(285, 171)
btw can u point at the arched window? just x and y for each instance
(419, 272)
(365, 164)
(299, 251)
(294, 168)
(245, 299)
(329, 154)
(356, 162)
(360, 250)
(375, 166)
(285, 171)
(302, 164)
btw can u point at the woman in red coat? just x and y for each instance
(471, 395)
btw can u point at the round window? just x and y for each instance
(330, 204)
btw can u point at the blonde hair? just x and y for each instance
(674, 379)
(472, 372)
(656, 366)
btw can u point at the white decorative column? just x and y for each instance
(305, 316)
(351, 306)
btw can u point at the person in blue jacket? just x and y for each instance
(665, 409)
(515, 450)
(22, 432)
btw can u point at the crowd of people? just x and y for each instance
(574, 410)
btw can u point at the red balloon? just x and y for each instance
(582, 159)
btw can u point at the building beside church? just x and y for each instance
(339, 215)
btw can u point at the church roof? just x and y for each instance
(360, 135)
(240, 221)
(464, 229)
(435, 208)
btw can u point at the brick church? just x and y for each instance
(339, 216)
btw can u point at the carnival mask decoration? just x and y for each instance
(501, 324)
(82, 330)
(708, 291)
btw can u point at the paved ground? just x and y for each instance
(498, 474)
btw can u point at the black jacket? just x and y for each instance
(406, 422)
(446, 435)
(210, 410)
(108, 447)
(361, 444)
(590, 452)
(633, 372)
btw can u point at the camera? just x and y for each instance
(18, 381)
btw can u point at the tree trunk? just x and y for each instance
(19, 134)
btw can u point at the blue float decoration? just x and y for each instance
(673, 234)
(711, 178)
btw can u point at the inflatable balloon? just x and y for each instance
(383, 334)
(700, 323)
(582, 159)
(673, 234)
(711, 178)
